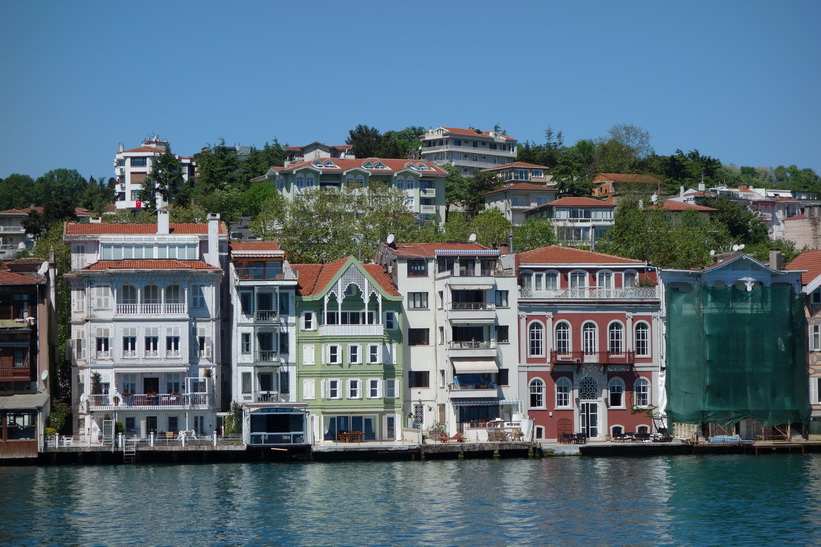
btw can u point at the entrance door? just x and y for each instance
(590, 419)
(151, 385)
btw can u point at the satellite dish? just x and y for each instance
(44, 375)
(472, 238)
(735, 248)
(654, 198)
(740, 246)
(391, 238)
(83, 398)
(712, 252)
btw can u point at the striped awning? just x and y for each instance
(487, 366)
(8, 344)
(476, 402)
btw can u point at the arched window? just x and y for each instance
(642, 340)
(562, 337)
(615, 389)
(536, 393)
(526, 282)
(589, 341)
(641, 392)
(536, 340)
(615, 338)
(563, 388)
(616, 430)
(578, 284)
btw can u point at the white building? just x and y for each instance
(131, 167)
(471, 150)
(146, 326)
(461, 349)
(263, 342)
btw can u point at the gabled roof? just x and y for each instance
(314, 279)
(811, 262)
(556, 254)
(470, 132)
(523, 186)
(429, 250)
(149, 264)
(25, 211)
(625, 177)
(10, 278)
(672, 205)
(144, 228)
(390, 166)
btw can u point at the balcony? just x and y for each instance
(168, 308)
(427, 192)
(478, 311)
(598, 357)
(143, 401)
(592, 293)
(267, 356)
(352, 330)
(267, 316)
(473, 390)
(427, 209)
(472, 348)
(267, 397)
(16, 374)
(264, 271)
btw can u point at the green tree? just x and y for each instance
(477, 187)
(254, 197)
(491, 227)
(532, 234)
(225, 201)
(635, 139)
(166, 179)
(401, 144)
(268, 221)
(97, 196)
(457, 227)
(18, 192)
(365, 141)
(218, 169)
(61, 184)
(456, 186)
(259, 161)
(742, 225)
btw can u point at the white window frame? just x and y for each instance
(638, 342)
(537, 388)
(391, 322)
(355, 354)
(374, 354)
(590, 337)
(815, 337)
(334, 354)
(641, 393)
(615, 385)
(374, 388)
(333, 391)
(614, 341)
(533, 340)
(354, 390)
(563, 393)
(308, 320)
(562, 344)
(391, 386)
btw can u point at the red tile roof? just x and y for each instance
(474, 133)
(25, 211)
(529, 186)
(556, 254)
(671, 205)
(150, 264)
(393, 165)
(254, 246)
(73, 228)
(10, 278)
(428, 250)
(796, 217)
(810, 261)
(143, 149)
(314, 278)
(625, 177)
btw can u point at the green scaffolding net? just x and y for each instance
(734, 354)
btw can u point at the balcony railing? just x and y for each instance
(472, 344)
(266, 397)
(600, 357)
(462, 306)
(267, 356)
(592, 293)
(352, 330)
(427, 192)
(291, 437)
(266, 316)
(15, 374)
(168, 308)
(145, 401)
(475, 272)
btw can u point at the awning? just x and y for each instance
(14, 344)
(475, 402)
(509, 402)
(470, 287)
(24, 401)
(472, 321)
(150, 370)
(475, 367)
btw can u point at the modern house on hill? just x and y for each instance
(470, 150)
(316, 151)
(525, 187)
(616, 185)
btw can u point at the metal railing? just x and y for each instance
(137, 401)
(472, 306)
(602, 357)
(592, 293)
(168, 308)
(472, 344)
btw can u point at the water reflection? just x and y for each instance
(665, 500)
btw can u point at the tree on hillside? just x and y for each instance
(18, 192)
(635, 139)
(365, 141)
(225, 201)
(97, 196)
(218, 169)
(532, 234)
(457, 227)
(61, 184)
(456, 186)
(267, 223)
(259, 161)
(253, 198)
(477, 186)
(166, 180)
(401, 144)
(743, 226)
(793, 178)
(491, 227)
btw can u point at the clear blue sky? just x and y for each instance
(738, 80)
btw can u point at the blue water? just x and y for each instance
(677, 500)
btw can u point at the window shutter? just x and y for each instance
(814, 390)
(309, 388)
(308, 354)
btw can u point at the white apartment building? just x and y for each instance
(526, 186)
(471, 150)
(461, 352)
(146, 328)
(131, 167)
(422, 181)
(263, 342)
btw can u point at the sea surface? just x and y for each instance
(672, 500)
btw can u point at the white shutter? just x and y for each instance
(308, 388)
(308, 354)
(814, 390)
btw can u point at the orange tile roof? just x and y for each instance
(530, 186)
(625, 177)
(671, 205)
(143, 149)
(810, 261)
(796, 217)
(150, 264)
(25, 211)
(314, 278)
(556, 254)
(254, 246)
(474, 133)
(10, 278)
(381, 278)
(428, 250)
(73, 228)
(307, 274)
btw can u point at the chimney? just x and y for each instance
(162, 222)
(776, 259)
(212, 257)
(681, 191)
(121, 148)
(701, 186)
